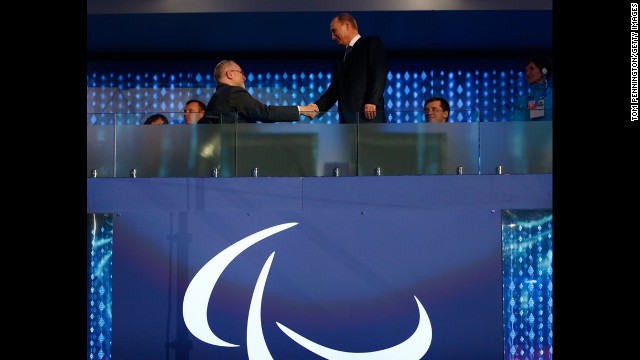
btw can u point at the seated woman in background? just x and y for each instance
(536, 103)
(156, 119)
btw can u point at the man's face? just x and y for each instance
(192, 113)
(340, 32)
(236, 75)
(434, 112)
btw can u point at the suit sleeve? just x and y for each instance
(248, 107)
(377, 71)
(330, 96)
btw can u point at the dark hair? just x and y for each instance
(542, 62)
(155, 117)
(444, 103)
(201, 105)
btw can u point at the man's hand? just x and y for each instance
(310, 110)
(369, 111)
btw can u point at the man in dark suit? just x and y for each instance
(359, 78)
(231, 102)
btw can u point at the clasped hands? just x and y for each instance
(310, 110)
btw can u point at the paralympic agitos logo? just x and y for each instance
(196, 301)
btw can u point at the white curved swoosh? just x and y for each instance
(412, 348)
(196, 298)
(256, 345)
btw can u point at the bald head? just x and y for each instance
(229, 72)
(221, 68)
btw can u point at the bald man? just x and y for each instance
(231, 98)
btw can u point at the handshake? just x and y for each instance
(310, 110)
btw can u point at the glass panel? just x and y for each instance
(116, 146)
(302, 150)
(175, 150)
(522, 147)
(455, 115)
(538, 109)
(418, 149)
(100, 145)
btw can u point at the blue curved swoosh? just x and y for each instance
(196, 298)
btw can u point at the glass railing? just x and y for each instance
(119, 146)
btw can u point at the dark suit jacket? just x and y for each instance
(359, 80)
(229, 101)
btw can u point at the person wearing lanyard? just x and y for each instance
(536, 103)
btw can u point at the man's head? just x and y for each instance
(193, 111)
(343, 28)
(230, 73)
(436, 110)
(156, 119)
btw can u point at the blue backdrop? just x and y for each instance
(346, 275)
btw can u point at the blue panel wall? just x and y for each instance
(345, 275)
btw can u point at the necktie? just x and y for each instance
(346, 53)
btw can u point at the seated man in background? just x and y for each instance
(436, 110)
(233, 99)
(193, 111)
(156, 119)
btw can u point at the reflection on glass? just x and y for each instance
(301, 148)
(101, 150)
(523, 147)
(175, 150)
(417, 149)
